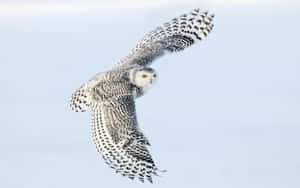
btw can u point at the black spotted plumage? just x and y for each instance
(112, 94)
(118, 138)
(184, 30)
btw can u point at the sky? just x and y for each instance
(224, 113)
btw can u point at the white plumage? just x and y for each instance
(111, 95)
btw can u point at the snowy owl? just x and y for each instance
(111, 95)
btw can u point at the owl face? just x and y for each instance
(144, 77)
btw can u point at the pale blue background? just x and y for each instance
(224, 113)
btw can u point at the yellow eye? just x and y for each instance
(144, 75)
(154, 75)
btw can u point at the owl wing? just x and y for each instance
(173, 36)
(119, 140)
(80, 99)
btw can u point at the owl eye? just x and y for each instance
(154, 75)
(144, 75)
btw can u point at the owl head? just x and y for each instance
(143, 77)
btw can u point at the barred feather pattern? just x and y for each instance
(80, 100)
(111, 96)
(119, 141)
(173, 36)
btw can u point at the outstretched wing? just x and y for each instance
(119, 140)
(173, 36)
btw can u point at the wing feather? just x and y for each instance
(173, 36)
(80, 99)
(119, 140)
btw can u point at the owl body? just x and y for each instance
(111, 95)
(105, 85)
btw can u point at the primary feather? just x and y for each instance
(173, 36)
(119, 140)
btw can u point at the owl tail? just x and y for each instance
(80, 100)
